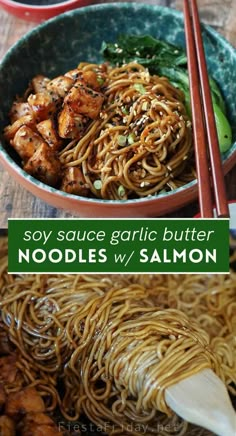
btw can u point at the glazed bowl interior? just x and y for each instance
(60, 44)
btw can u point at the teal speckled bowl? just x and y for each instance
(61, 43)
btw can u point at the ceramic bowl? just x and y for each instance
(39, 13)
(61, 43)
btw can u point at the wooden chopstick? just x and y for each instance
(207, 150)
(201, 152)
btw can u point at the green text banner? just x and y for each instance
(118, 245)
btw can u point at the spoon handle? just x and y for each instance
(203, 399)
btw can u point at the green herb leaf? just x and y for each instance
(140, 88)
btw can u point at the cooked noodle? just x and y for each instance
(142, 141)
(116, 342)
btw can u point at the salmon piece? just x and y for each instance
(73, 182)
(84, 100)
(5, 346)
(60, 85)
(48, 131)
(42, 430)
(22, 402)
(10, 131)
(19, 110)
(2, 396)
(91, 79)
(43, 105)
(39, 83)
(26, 142)
(38, 418)
(73, 74)
(8, 369)
(70, 124)
(39, 424)
(7, 426)
(44, 165)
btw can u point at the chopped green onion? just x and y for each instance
(100, 80)
(97, 184)
(124, 110)
(140, 88)
(121, 191)
(145, 106)
(131, 138)
(122, 140)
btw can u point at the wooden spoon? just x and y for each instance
(203, 399)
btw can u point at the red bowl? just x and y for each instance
(40, 13)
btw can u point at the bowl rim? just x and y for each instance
(4, 155)
(18, 5)
(42, 186)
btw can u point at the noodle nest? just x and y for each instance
(141, 143)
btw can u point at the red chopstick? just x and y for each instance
(207, 152)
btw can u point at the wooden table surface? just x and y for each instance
(15, 201)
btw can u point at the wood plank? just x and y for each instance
(11, 29)
(230, 24)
